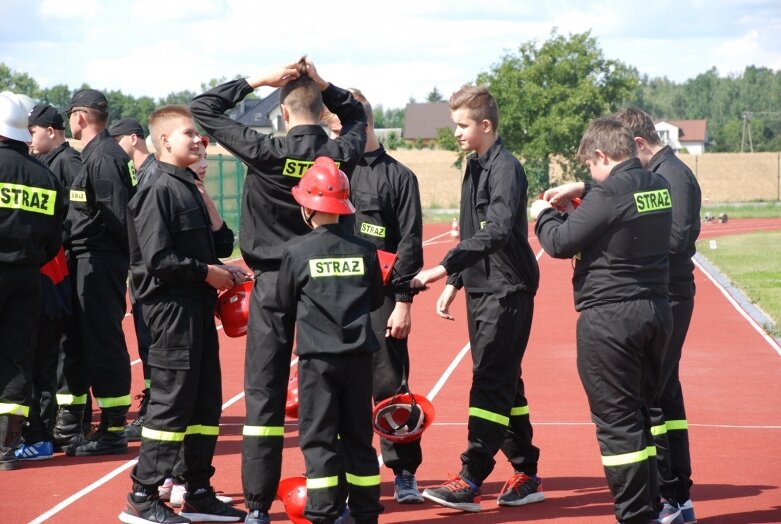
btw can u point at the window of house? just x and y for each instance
(664, 135)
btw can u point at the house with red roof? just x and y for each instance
(688, 135)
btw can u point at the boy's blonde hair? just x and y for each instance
(161, 116)
(640, 124)
(480, 103)
(302, 96)
(611, 137)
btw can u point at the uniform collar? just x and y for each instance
(93, 144)
(626, 165)
(185, 174)
(486, 158)
(20, 147)
(372, 156)
(307, 129)
(49, 157)
(660, 156)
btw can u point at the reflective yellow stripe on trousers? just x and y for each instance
(263, 431)
(628, 458)
(673, 425)
(65, 399)
(363, 481)
(322, 482)
(113, 402)
(14, 409)
(491, 417)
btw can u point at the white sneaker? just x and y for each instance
(178, 492)
(164, 491)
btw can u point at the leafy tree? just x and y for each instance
(23, 83)
(388, 118)
(434, 96)
(548, 95)
(178, 98)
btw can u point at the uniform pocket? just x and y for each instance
(188, 220)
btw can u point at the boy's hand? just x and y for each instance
(560, 195)
(538, 207)
(400, 321)
(444, 301)
(314, 75)
(219, 277)
(427, 276)
(276, 78)
(240, 275)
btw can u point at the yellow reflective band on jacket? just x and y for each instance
(647, 201)
(661, 429)
(113, 402)
(519, 411)
(77, 195)
(27, 198)
(64, 399)
(163, 436)
(132, 169)
(14, 409)
(323, 482)
(211, 431)
(628, 458)
(676, 425)
(263, 431)
(363, 481)
(336, 267)
(491, 417)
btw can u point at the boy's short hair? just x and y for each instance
(480, 103)
(611, 137)
(160, 116)
(640, 124)
(367, 107)
(302, 95)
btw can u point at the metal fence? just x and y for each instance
(224, 181)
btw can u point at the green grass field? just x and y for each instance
(751, 262)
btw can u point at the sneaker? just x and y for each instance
(102, 443)
(670, 513)
(687, 512)
(176, 493)
(521, 489)
(206, 507)
(43, 450)
(146, 509)
(257, 517)
(455, 493)
(345, 517)
(405, 489)
(164, 490)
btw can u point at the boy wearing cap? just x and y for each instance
(31, 215)
(48, 143)
(270, 217)
(330, 270)
(95, 352)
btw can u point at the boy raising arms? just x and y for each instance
(619, 237)
(176, 274)
(497, 267)
(270, 217)
(330, 281)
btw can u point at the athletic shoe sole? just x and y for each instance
(471, 507)
(207, 517)
(528, 499)
(409, 499)
(132, 519)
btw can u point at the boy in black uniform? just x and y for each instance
(176, 271)
(496, 265)
(48, 143)
(387, 213)
(269, 218)
(619, 238)
(672, 439)
(31, 215)
(95, 352)
(329, 281)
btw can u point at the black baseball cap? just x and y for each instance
(45, 115)
(90, 98)
(126, 126)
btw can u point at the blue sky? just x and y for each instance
(391, 50)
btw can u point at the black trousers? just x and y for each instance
(43, 404)
(20, 304)
(97, 356)
(672, 441)
(335, 413)
(499, 328)
(389, 364)
(186, 392)
(266, 373)
(620, 351)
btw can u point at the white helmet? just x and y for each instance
(13, 118)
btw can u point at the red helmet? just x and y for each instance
(403, 417)
(324, 188)
(292, 493)
(233, 309)
(291, 405)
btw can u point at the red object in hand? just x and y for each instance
(233, 309)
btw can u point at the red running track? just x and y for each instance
(730, 373)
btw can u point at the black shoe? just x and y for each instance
(103, 443)
(10, 438)
(148, 509)
(206, 507)
(67, 427)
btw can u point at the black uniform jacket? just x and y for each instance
(65, 163)
(332, 281)
(269, 215)
(687, 199)
(387, 213)
(147, 171)
(619, 236)
(97, 216)
(494, 255)
(171, 242)
(31, 208)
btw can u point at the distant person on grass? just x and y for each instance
(176, 275)
(618, 239)
(496, 266)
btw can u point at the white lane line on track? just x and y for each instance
(740, 309)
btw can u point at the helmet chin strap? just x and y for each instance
(308, 218)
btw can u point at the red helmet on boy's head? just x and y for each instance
(325, 188)
(403, 417)
(233, 309)
(292, 493)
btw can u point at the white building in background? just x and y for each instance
(691, 135)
